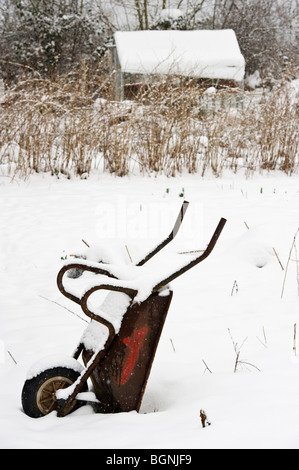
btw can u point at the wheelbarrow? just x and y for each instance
(117, 355)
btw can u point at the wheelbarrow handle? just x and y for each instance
(99, 270)
(126, 290)
(197, 260)
(170, 237)
(83, 267)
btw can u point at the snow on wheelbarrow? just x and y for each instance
(119, 344)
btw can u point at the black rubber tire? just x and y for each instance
(38, 394)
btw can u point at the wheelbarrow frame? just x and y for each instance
(111, 365)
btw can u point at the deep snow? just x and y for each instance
(232, 301)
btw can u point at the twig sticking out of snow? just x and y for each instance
(238, 351)
(286, 270)
(203, 418)
(190, 252)
(172, 345)
(275, 252)
(54, 302)
(12, 357)
(265, 339)
(129, 254)
(235, 288)
(297, 266)
(264, 335)
(207, 368)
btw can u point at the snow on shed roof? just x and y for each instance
(204, 54)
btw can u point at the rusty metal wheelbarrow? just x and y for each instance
(118, 360)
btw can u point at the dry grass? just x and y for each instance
(65, 127)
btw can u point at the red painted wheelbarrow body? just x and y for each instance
(121, 376)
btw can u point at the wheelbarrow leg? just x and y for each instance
(67, 403)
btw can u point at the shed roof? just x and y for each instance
(202, 53)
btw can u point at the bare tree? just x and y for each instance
(266, 30)
(142, 14)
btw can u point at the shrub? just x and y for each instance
(64, 126)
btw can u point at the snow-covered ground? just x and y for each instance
(231, 303)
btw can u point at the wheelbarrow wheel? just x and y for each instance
(39, 393)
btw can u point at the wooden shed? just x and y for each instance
(207, 54)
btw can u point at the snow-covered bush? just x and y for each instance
(48, 37)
